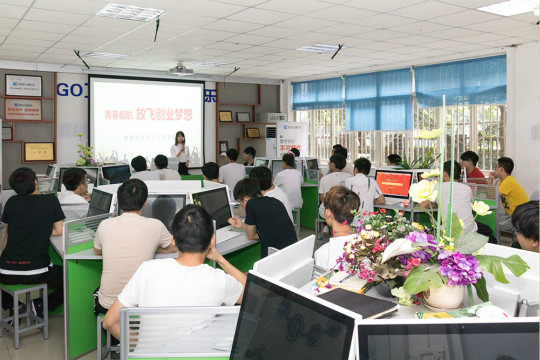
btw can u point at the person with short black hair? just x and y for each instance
(290, 181)
(349, 168)
(126, 241)
(163, 172)
(231, 173)
(264, 175)
(339, 204)
(393, 160)
(336, 146)
(525, 222)
(336, 177)
(511, 193)
(138, 163)
(295, 152)
(76, 183)
(186, 280)
(249, 156)
(30, 220)
(266, 217)
(366, 188)
(210, 171)
(469, 159)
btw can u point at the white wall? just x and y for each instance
(523, 129)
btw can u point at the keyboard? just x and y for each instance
(226, 233)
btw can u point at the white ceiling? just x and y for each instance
(260, 36)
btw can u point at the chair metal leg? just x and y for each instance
(16, 318)
(45, 313)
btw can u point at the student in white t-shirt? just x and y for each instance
(339, 202)
(138, 163)
(367, 189)
(186, 280)
(290, 181)
(76, 183)
(232, 172)
(335, 177)
(349, 168)
(264, 175)
(462, 197)
(163, 172)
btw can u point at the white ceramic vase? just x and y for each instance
(445, 297)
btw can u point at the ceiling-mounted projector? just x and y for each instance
(181, 70)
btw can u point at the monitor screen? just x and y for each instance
(276, 323)
(259, 162)
(91, 174)
(248, 169)
(100, 203)
(312, 164)
(394, 183)
(116, 174)
(464, 340)
(216, 202)
(50, 171)
(164, 207)
(277, 166)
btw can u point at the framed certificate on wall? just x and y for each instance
(23, 85)
(39, 151)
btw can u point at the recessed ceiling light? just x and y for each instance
(206, 63)
(128, 12)
(511, 8)
(319, 48)
(105, 55)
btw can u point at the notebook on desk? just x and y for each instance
(367, 306)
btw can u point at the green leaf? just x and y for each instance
(481, 289)
(421, 278)
(515, 264)
(493, 264)
(470, 242)
(455, 227)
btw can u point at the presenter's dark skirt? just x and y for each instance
(182, 168)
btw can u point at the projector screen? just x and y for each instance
(139, 116)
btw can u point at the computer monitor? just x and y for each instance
(282, 323)
(116, 174)
(91, 174)
(100, 203)
(50, 171)
(312, 164)
(394, 184)
(216, 202)
(462, 339)
(259, 162)
(164, 207)
(276, 167)
(248, 169)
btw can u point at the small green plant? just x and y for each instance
(85, 153)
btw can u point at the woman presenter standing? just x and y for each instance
(181, 151)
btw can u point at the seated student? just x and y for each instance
(295, 152)
(210, 172)
(76, 183)
(290, 181)
(249, 156)
(339, 202)
(469, 159)
(349, 168)
(367, 189)
(525, 223)
(266, 217)
(138, 163)
(334, 177)
(393, 160)
(30, 220)
(232, 172)
(186, 280)
(264, 175)
(126, 241)
(511, 193)
(163, 172)
(336, 146)
(462, 197)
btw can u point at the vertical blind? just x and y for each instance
(379, 101)
(477, 81)
(318, 94)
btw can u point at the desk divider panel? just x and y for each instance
(79, 234)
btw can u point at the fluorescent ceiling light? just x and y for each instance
(319, 48)
(128, 12)
(511, 8)
(105, 55)
(206, 63)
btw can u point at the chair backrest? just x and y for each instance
(168, 332)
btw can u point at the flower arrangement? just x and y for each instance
(85, 153)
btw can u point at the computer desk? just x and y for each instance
(82, 276)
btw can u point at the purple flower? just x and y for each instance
(460, 269)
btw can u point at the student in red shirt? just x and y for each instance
(469, 159)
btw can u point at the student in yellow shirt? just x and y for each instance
(511, 193)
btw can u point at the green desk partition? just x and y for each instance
(491, 219)
(310, 207)
(193, 177)
(244, 259)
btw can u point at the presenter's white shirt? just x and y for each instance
(230, 174)
(367, 190)
(69, 197)
(145, 175)
(333, 179)
(279, 194)
(168, 174)
(326, 256)
(462, 198)
(290, 181)
(184, 156)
